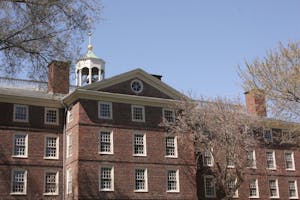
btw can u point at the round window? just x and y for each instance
(136, 86)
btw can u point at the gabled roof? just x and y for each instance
(140, 74)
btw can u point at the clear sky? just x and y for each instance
(195, 44)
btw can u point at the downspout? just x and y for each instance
(64, 146)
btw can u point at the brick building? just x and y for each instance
(102, 140)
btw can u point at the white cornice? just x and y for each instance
(119, 98)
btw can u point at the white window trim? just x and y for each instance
(57, 116)
(271, 133)
(26, 146)
(277, 189)
(27, 113)
(57, 147)
(254, 160)
(110, 110)
(143, 113)
(112, 178)
(56, 181)
(68, 153)
(236, 193)
(111, 142)
(205, 192)
(68, 174)
(176, 148)
(274, 158)
(168, 109)
(146, 180)
(144, 142)
(296, 189)
(212, 159)
(177, 181)
(293, 161)
(25, 182)
(230, 166)
(69, 113)
(257, 190)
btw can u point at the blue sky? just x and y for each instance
(196, 45)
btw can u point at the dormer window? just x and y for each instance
(268, 137)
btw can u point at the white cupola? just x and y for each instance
(90, 68)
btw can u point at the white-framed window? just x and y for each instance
(231, 187)
(209, 186)
(289, 160)
(253, 188)
(173, 180)
(69, 145)
(171, 146)
(106, 178)
(286, 135)
(19, 182)
(69, 181)
(51, 183)
(168, 114)
(51, 116)
(137, 113)
(207, 158)
(139, 144)
(20, 113)
(273, 186)
(230, 162)
(268, 136)
(51, 147)
(104, 110)
(141, 180)
(293, 189)
(70, 115)
(20, 145)
(271, 162)
(106, 142)
(251, 159)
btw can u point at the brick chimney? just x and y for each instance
(256, 103)
(58, 77)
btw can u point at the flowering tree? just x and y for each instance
(223, 136)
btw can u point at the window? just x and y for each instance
(106, 142)
(70, 115)
(273, 184)
(171, 146)
(209, 186)
(289, 161)
(172, 181)
(141, 184)
(231, 187)
(106, 178)
(138, 113)
(19, 181)
(136, 86)
(230, 162)
(69, 145)
(168, 114)
(51, 116)
(251, 159)
(69, 181)
(51, 147)
(20, 113)
(20, 145)
(105, 110)
(271, 163)
(293, 190)
(51, 183)
(268, 137)
(253, 188)
(207, 158)
(139, 145)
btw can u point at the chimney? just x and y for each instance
(58, 77)
(256, 103)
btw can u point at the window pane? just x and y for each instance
(138, 144)
(18, 181)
